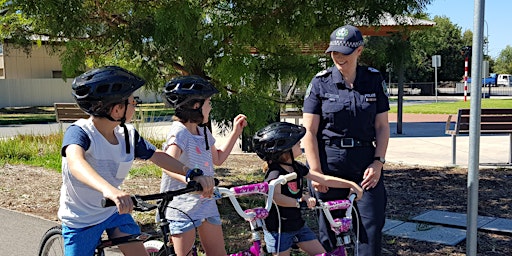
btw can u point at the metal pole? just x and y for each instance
(435, 78)
(474, 128)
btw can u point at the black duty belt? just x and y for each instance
(348, 142)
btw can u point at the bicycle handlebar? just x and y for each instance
(344, 204)
(258, 188)
(139, 201)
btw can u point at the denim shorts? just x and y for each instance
(287, 239)
(180, 227)
(83, 241)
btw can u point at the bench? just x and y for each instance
(68, 112)
(291, 115)
(492, 121)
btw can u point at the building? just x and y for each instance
(40, 62)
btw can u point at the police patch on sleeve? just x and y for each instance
(385, 88)
(308, 91)
(321, 73)
(373, 70)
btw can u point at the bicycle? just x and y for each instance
(254, 216)
(52, 243)
(346, 240)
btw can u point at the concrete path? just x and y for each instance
(21, 233)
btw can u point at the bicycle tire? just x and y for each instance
(154, 248)
(52, 243)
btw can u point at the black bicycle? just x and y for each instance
(52, 242)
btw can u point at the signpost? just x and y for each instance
(436, 62)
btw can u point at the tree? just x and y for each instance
(444, 39)
(244, 47)
(504, 61)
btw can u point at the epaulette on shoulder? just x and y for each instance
(323, 73)
(373, 70)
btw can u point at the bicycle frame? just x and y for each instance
(254, 216)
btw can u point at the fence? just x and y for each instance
(44, 92)
(445, 88)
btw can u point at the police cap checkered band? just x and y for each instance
(345, 40)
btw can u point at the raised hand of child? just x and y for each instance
(239, 123)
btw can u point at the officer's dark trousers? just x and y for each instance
(371, 210)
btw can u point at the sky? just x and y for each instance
(498, 17)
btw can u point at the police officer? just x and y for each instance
(347, 134)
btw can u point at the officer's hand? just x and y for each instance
(207, 183)
(318, 187)
(371, 175)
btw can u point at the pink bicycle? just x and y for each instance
(346, 240)
(254, 216)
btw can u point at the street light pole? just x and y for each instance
(486, 38)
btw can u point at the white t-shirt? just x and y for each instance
(194, 155)
(80, 205)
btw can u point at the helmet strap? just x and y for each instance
(123, 124)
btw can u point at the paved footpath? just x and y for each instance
(21, 233)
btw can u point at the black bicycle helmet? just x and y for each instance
(183, 89)
(96, 90)
(276, 138)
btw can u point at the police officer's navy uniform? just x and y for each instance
(346, 136)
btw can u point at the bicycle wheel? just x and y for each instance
(52, 243)
(154, 248)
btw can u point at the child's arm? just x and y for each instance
(175, 151)
(83, 171)
(219, 155)
(334, 182)
(279, 198)
(172, 166)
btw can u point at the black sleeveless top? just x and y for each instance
(291, 217)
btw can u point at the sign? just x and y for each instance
(436, 61)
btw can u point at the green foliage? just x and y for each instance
(504, 61)
(246, 47)
(444, 39)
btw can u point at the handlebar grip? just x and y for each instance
(106, 202)
(290, 176)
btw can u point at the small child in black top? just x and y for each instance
(278, 144)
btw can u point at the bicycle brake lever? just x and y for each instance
(142, 206)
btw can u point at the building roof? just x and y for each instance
(389, 25)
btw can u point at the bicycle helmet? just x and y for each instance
(95, 91)
(276, 138)
(184, 89)
(98, 89)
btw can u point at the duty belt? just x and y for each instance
(348, 142)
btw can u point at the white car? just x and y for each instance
(504, 80)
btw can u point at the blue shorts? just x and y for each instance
(83, 241)
(287, 239)
(180, 227)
